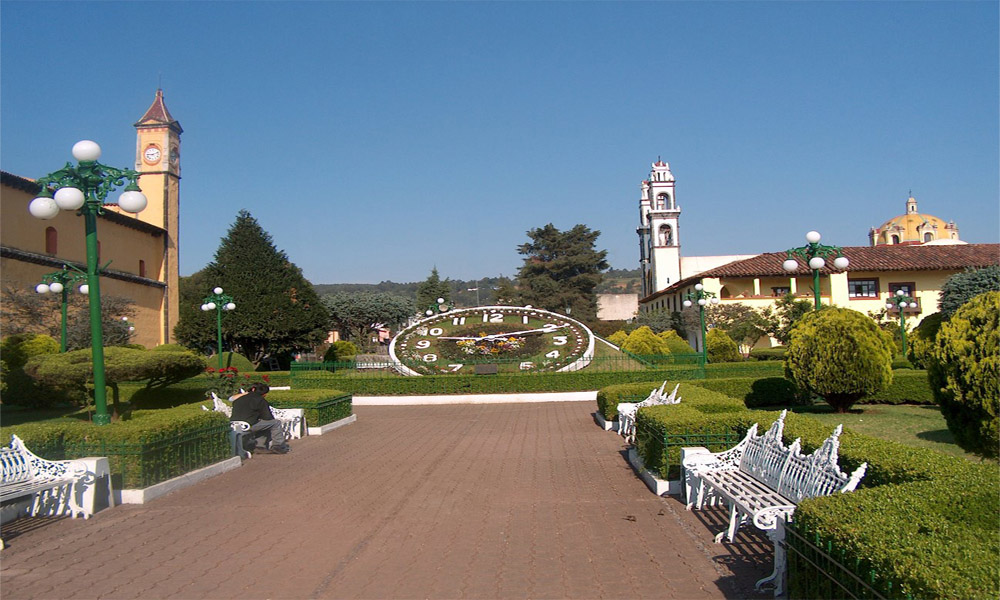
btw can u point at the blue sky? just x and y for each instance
(377, 140)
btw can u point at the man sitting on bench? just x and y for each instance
(253, 408)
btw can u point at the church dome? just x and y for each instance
(913, 227)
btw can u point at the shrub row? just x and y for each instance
(152, 446)
(907, 387)
(321, 406)
(924, 523)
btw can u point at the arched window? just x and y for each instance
(51, 240)
(928, 237)
(895, 239)
(142, 268)
(666, 237)
(661, 201)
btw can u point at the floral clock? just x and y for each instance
(515, 338)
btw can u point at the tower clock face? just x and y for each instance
(512, 337)
(151, 154)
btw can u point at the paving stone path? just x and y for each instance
(454, 501)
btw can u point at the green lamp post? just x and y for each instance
(815, 255)
(437, 307)
(218, 302)
(84, 188)
(59, 282)
(701, 297)
(901, 301)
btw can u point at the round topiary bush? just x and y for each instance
(921, 340)
(643, 342)
(721, 348)
(964, 371)
(840, 355)
(675, 343)
(340, 351)
(16, 385)
(618, 338)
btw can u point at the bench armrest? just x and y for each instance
(767, 518)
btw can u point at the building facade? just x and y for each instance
(142, 249)
(914, 252)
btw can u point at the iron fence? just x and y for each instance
(145, 462)
(819, 570)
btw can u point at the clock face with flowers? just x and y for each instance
(515, 338)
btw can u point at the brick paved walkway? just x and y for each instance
(457, 501)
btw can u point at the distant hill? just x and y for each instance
(463, 293)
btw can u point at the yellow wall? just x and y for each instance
(122, 245)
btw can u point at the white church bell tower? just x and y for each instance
(659, 235)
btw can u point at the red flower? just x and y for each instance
(209, 370)
(266, 378)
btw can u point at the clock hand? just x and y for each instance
(496, 335)
(459, 338)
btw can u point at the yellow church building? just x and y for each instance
(142, 248)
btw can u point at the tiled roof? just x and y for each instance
(863, 258)
(158, 115)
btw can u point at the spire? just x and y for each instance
(158, 116)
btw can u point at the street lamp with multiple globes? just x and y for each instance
(901, 301)
(701, 298)
(815, 255)
(218, 302)
(85, 188)
(59, 282)
(439, 306)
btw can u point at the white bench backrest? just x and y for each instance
(15, 466)
(794, 475)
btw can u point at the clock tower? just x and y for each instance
(659, 235)
(157, 159)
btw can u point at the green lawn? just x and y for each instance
(918, 426)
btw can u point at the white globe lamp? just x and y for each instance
(43, 208)
(69, 198)
(86, 151)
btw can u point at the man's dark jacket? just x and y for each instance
(251, 407)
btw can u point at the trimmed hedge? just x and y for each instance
(761, 354)
(153, 446)
(766, 391)
(909, 386)
(321, 406)
(923, 539)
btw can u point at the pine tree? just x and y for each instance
(431, 289)
(561, 270)
(277, 310)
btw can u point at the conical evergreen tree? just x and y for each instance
(277, 309)
(431, 289)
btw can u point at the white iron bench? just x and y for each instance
(50, 482)
(627, 411)
(762, 480)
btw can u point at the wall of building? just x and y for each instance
(124, 246)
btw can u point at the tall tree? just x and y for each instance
(561, 270)
(431, 289)
(277, 310)
(356, 315)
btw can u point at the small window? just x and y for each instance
(909, 288)
(928, 237)
(862, 288)
(51, 241)
(142, 268)
(895, 239)
(780, 292)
